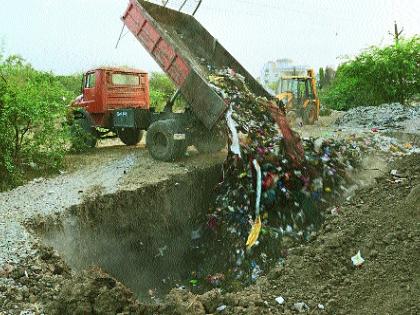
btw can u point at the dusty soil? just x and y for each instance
(382, 221)
(28, 282)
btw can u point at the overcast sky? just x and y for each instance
(68, 36)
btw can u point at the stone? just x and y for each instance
(300, 307)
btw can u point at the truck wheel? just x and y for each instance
(130, 136)
(210, 141)
(309, 114)
(164, 142)
(83, 133)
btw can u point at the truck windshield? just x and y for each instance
(125, 79)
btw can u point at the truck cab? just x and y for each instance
(114, 100)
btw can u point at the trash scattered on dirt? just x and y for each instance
(221, 308)
(300, 307)
(394, 172)
(280, 300)
(379, 117)
(358, 260)
(335, 211)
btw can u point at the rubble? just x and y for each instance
(379, 117)
(300, 307)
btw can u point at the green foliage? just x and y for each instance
(161, 91)
(377, 76)
(32, 110)
(72, 83)
(326, 77)
(321, 75)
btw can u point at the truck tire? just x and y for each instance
(210, 141)
(130, 136)
(309, 114)
(164, 141)
(84, 133)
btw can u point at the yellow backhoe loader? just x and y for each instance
(299, 94)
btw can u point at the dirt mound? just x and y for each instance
(44, 284)
(24, 286)
(381, 222)
(93, 292)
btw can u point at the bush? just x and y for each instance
(72, 83)
(161, 91)
(32, 110)
(377, 76)
(326, 77)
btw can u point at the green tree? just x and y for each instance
(161, 91)
(321, 75)
(377, 76)
(32, 110)
(326, 77)
(72, 83)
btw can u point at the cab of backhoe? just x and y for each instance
(299, 95)
(299, 87)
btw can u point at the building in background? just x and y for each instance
(272, 71)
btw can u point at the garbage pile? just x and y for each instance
(384, 116)
(273, 186)
(379, 143)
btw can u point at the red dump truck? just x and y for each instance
(113, 99)
(188, 53)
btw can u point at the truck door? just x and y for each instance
(89, 91)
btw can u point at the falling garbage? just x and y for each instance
(216, 280)
(275, 183)
(335, 211)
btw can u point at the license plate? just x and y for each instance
(122, 114)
